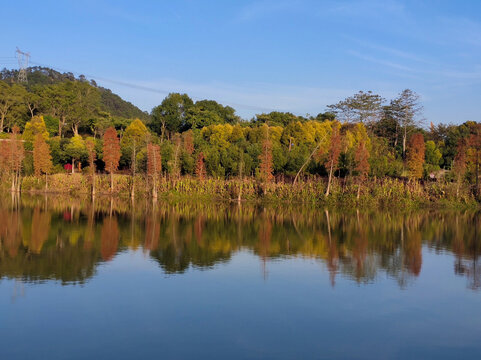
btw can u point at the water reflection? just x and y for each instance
(48, 238)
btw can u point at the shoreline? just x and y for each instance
(386, 193)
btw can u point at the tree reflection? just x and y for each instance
(109, 238)
(55, 239)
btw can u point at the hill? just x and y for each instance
(110, 102)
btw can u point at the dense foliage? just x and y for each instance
(360, 137)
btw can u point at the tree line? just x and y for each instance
(61, 125)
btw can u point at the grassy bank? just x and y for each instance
(381, 193)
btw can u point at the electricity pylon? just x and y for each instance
(22, 58)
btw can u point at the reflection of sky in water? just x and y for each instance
(130, 308)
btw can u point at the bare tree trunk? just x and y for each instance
(328, 190)
(31, 109)
(397, 135)
(61, 124)
(359, 191)
(46, 182)
(75, 129)
(2, 121)
(132, 194)
(18, 182)
(308, 159)
(154, 188)
(93, 184)
(73, 166)
(111, 181)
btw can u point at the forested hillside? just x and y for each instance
(41, 77)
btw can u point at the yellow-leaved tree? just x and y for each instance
(135, 137)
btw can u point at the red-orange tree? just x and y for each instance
(188, 140)
(459, 164)
(11, 157)
(42, 160)
(154, 166)
(415, 155)
(200, 167)
(111, 153)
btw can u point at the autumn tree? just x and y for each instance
(42, 160)
(34, 127)
(200, 166)
(459, 164)
(154, 166)
(362, 164)
(135, 137)
(174, 163)
(12, 154)
(474, 152)
(266, 167)
(111, 153)
(188, 140)
(415, 155)
(188, 160)
(333, 155)
(92, 156)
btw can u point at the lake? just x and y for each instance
(108, 279)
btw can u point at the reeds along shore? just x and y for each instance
(382, 193)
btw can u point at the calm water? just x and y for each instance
(111, 280)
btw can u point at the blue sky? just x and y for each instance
(258, 56)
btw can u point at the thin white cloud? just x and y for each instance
(247, 99)
(380, 61)
(392, 51)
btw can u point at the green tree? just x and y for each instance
(76, 150)
(135, 137)
(11, 103)
(433, 156)
(171, 114)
